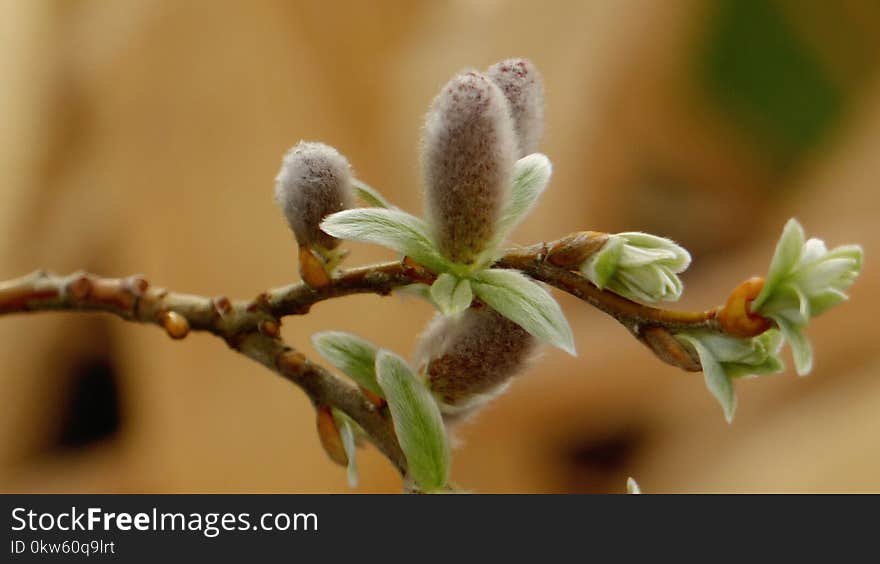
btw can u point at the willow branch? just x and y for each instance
(247, 329)
(252, 327)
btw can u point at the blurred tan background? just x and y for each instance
(143, 136)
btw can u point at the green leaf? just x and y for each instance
(346, 432)
(417, 421)
(788, 251)
(392, 228)
(717, 380)
(801, 350)
(523, 301)
(450, 294)
(530, 178)
(354, 356)
(606, 262)
(370, 195)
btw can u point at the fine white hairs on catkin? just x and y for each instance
(314, 182)
(469, 148)
(521, 84)
(470, 357)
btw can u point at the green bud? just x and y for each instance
(638, 266)
(805, 280)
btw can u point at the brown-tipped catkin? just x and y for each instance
(521, 83)
(468, 151)
(470, 357)
(314, 182)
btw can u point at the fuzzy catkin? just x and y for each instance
(314, 182)
(469, 148)
(523, 87)
(472, 355)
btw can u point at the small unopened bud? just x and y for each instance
(175, 324)
(314, 182)
(330, 437)
(312, 269)
(469, 149)
(470, 357)
(522, 86)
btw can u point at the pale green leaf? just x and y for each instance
(354, 356)
(530, 178)
(801, 350)
(370, 195)
(451, 294)
(392, 228)
(417, 421)
(346, 432)
(605, 263)
(523, 301)
(786, 256)
(717, 380)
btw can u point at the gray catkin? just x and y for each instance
(523, 87)
(314, 182)
(468, 151)
(471, 355)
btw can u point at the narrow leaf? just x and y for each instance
(523, 301)
(788, 251)
(531, 176)
(417, 421)
(346, 432)
(801, 350)
(354, 356)
(391, 228)
(717, 380)
(370, 195)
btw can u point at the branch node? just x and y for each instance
(290, 362)
(79, 288)
(376, 400)
(221, 305)
(417, 272)
(258, 303)
(572, 250)
(269, 328)
(136, 285)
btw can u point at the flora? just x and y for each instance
(481, 178)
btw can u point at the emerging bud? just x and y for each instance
(469, 149)
(524, 89)
(469, 358)
(638, 266)
(314, 182)
(805, 280)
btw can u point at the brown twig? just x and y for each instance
(251, 327)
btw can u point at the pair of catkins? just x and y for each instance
(478, 126)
